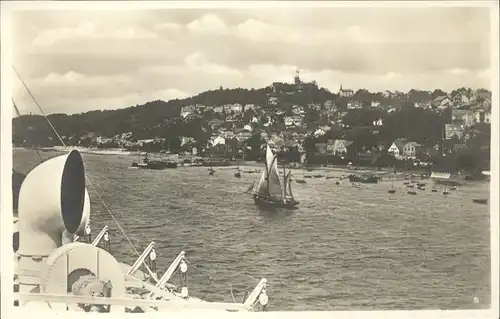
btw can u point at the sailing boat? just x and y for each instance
(392, 190)
(271, 191)
(238, 171)
(445, 191)
(412, 192)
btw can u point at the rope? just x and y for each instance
(86, 178)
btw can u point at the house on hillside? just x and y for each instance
(387, 94)
(411, 150)
(187, 140)
(188, 108)
(215, 123)
(243, 136)
(352, 105)
(236, 108)
(315, 106)
(423, 104)
(298, 110)
(249, 107)
(462, 117)
(319, 132)
(453, 130)
(272, 101)
(218, 109)
(443, 102)
(342, 147)
(375, 104)
(345, 93)
(396, 148)
(218, 140)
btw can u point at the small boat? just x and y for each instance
(421, 184)
(422, 188)
(412, 192)
(406, 183)
(301, 181)
(480, 201)
(434, 190)
(392, 190)
(211, 171)
(367, 179)
(337, 183)
(307, 176)
(271, 192)
(453, 188)
(330, 177)
(237, 175)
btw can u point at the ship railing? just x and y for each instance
(170, 271)
(140, 261)
(96, 240)
(170, 304)
(99, 236)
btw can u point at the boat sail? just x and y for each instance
(270, 190)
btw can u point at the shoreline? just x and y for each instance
(233, 164)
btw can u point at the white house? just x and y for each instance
(273, 101)
(288, 121)
(185, 114)
(236, 108)
(319, 132)
(218, 140)
(297, 110)
(375, 104)
(218, 109)
(396, 148)
(354, 105)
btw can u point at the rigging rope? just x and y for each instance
(86, 178)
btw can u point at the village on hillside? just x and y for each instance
(350, 127)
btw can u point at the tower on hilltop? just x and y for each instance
(297, 77)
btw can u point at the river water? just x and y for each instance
(345, 248)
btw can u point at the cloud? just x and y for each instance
(87, 30)
(168, 26)
(72, 78)
(208, 24)
(81, 60)
(194, 62)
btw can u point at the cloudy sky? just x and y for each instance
(75, 61)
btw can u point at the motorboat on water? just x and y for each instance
(147, 163)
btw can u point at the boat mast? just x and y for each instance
(284, 181)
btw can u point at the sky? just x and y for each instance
(77, 61)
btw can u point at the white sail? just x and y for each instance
(262, 186)
(288, 183)
(273, 179)
(269, 183)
